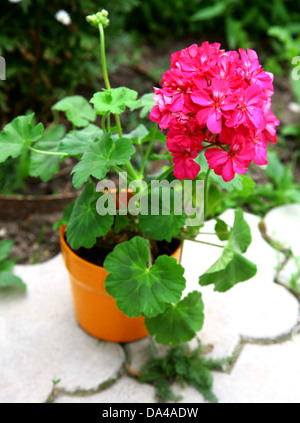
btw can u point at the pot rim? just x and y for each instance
(62, 231)
(21, 197)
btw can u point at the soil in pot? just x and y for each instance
(105, 245)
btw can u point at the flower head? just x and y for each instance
(220, 100)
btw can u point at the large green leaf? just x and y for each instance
(232, 267)
(180, 322)
(240, 237)
(78, 142)
(140, 290)
(221, 230)
(17, 134)
(66, 216)
(166, 224)
(42, 165)
(85, 224)
(114, 100)
(8, 279)
(228, 271)
(78, 110)
(5, 247)
(100, 157)
(138, 134)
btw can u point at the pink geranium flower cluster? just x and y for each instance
(219, 102)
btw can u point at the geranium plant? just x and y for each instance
(215, 107)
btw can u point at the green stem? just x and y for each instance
(199, 242)
(103, 57)
(206, 193)
(149, 149)
(131, 171)
(47, 153)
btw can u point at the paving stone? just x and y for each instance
(41, 341)
(262, 374)
(283, 225)
(257, 309)
(125, 390)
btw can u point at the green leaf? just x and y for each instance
(158, 136)
(78, 142)
(275, 168)
(100, 157)
(290, 131)
(121, 223)
(78, 110)
(138, 134)
(180, 322)
(114, 100)
(42, 165)
(140, 290)
(5, 247)
(17, 134)
(166, 224)
(8, 279)
(210, 12)
(248, 187)
(232, 267)
(66, 216)
(85, 224)
(53, 133)
(240, 235)
(221, 229)
(7, 265)
(146, 103)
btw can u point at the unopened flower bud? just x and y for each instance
(99, 18)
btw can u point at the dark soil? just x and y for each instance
(104, 246)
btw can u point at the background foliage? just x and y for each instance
(47, 60)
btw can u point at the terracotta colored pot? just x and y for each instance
(21, 206)
(95, 310)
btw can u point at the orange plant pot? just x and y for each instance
(96, 311)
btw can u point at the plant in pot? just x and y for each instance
(122, 242)
(215, 106)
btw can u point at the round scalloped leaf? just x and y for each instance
(140, 290)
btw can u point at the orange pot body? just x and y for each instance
(95, 310)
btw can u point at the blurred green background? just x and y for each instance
(47, 60)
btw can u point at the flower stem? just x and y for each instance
(199, 242)
(206, 192)
(103, 57)
(149, 149)
(131, 171)
(47, 153)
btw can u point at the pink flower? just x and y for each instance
(161, 113)
(254, 73)
(236, 160)
(184, 165)
(214, 105)
(220, 100)
(260, 146)
(187, 135)
(249, 110)
(271, 123)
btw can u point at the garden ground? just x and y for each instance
(257, 323)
